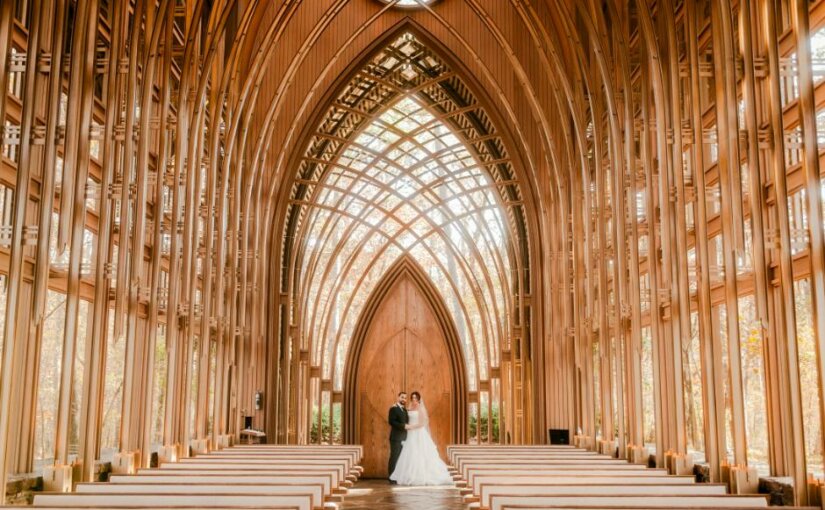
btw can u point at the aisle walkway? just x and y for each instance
(379, 495)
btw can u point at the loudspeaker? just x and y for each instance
(247, 422)
(558, 436)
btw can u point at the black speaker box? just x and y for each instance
(559, 436)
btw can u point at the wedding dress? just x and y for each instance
(419, 463)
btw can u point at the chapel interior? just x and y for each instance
(589, 232)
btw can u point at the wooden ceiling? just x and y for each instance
(657, 160)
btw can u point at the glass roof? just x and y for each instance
(398, 168)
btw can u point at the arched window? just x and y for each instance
(406, 162)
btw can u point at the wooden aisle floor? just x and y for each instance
(380, 495)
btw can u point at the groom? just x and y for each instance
(398, 420)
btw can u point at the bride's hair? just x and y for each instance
(416, 395)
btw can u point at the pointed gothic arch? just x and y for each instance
(406, 266)
(452, 100)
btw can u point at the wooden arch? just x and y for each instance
(406, 266)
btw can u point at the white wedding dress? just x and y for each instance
(419, 463)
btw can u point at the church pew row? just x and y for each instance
(293, 478)
(520, 477)
(550, 477)
(550, 463)
(351, 467)
(278, 507)
(183, 500)
(350, 456)
(465, 466)
(357, 450)
(324, 480)
(539, 487)
(353, 453)
(554, 506)
(545, 449)
(264, 471)
(453, 450)
(260, 465)
(458, 457)
(594, 502)
(454, 455)
(583, 475)
(316, 491)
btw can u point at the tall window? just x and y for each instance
(648, 406)
(159, 382)
(48, 384)
(692, 385)
(753, 384)
(808, 377)
(77, 378)
(407, 185)
(113, 391)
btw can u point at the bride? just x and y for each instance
(419, 463)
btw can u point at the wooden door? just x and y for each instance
(405, 349)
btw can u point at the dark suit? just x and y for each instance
(398, 420)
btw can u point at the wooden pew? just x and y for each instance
(499, 447)
(259, 464)
(280, 507)
(334, 474)
(316, 491)
(535, 488)
(352, 471)
(464, 474)
(517, 477)
(584, 496)
(357, 450)
(522, 506)
(347, 459)
(609, 502)
(576, 459)
(583, 474)
(454, 450)
(232, 500)
(465, 467)
(263, 476)
(352, 454)
(509, 477)
(324, 480)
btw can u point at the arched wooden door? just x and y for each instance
(405, 349)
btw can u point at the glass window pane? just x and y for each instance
(808, 377)
(113, 391)
(648, 407)
(753, 385)
(694, 411)
(48, 381)
(77, 379)
(159, 390)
